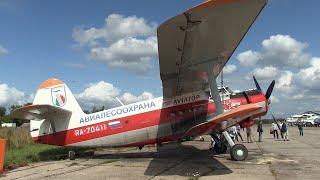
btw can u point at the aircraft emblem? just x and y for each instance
(58, 95)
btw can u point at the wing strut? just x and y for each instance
(219, 107)
(215, 94)
(53, 126)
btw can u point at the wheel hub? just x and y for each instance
(240, 152)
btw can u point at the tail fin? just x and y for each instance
(55, 92)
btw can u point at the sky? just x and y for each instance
(108, 49)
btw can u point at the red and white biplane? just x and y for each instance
(193, 49)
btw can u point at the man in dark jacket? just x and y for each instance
(284, 131)
(260, 130)
(300, 126)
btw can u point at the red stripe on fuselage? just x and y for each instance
(134, 122)
(129, 123)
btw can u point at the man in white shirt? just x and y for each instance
(274, 130)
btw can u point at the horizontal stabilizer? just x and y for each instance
(212, 123)
(40, 112)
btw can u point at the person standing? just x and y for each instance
(284, 131)
(238, 132)
(233, 133)
(249, 138)
(274, 130)
(300, 127)
(260, 130)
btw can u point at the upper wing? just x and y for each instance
(40, 112)
(234, 113)
(201, 40)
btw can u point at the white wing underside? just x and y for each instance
(198, 43)
(40, 112)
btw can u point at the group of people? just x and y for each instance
(282, 128)
(235, 133)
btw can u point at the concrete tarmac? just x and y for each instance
(298, 158)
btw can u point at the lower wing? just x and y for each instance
(212, 123)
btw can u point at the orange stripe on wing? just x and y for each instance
(204, 127)
(211, 3)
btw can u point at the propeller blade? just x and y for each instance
(270, 89)
(256, 83)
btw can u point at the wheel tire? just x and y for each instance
(220, 149)
(72, 155)
(239, 152)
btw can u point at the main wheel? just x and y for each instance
(220, 148)
(239, 152)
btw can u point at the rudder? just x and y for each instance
(56, 93)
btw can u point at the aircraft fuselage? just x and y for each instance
(148, 122)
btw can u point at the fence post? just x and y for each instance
(2, 154)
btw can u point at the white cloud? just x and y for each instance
(309, 78)
(98, 94)
(284, 83)
(297, 73)
(265, 73)
(10, 96)
(284, 50)
(116, 27)
(230, 68)
(104, 94)
(129, 53)
(279, 51)
(249, 58)
(128, 98)
(274, 99)
(3, 51)
(124, 42)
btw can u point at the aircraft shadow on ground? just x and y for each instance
(185, 160)
(182, 160)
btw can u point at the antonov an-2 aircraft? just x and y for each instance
(193, 49)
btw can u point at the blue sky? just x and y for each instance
(38, 39)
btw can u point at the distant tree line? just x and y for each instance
(5, 114)
(94, 109)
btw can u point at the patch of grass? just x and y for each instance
(21, 150)
(194, 178)
(109, 161)
(16, 137)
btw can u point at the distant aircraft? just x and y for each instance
(193, 49)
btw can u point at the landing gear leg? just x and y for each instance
(220, 146)
(72, 155)
(238, 152)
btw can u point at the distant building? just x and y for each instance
(313, 112)
(307, 118)
(8, 125)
